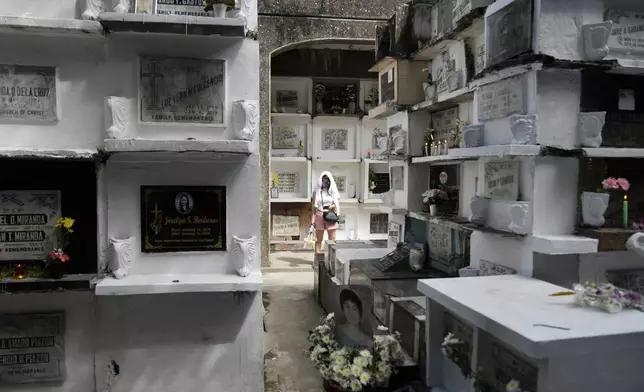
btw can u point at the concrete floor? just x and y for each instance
(291, 313)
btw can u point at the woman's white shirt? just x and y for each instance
(323, 198)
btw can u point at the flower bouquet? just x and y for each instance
(594, 204)
(433, 197)
(320, 94)
(606, 297)
(275, 180)
(56, 258)
(351, 369)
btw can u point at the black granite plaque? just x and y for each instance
(394, 260)
(509, 32)
(183, 218)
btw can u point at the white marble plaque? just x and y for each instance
(508, 32)
(627, 34)
(341, 183)
(440, 242)
(393, 238)
(286, 138)
(32, 348)
(181, 7)
(335, 139)
(27, 220)
(501, 99)
(286, 225)
(288, 182)
(501, 180)
(28, 93)
(398, 178)
(180, 90)
(488, 268)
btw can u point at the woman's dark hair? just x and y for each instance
(349, 295)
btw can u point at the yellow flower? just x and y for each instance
(68, 223)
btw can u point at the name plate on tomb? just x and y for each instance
(501, 180)
(183, 218)
(488, 268)
(179, 90)
(32, 348)
(286, 225)
(501, 99)
(508, 32)
(508, 365)
(27, 220)
(28, 93)
(285, 138)
(288, 182)
(181, 7)
(627, 34)
(335, 139)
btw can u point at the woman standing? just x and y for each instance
(326, 198)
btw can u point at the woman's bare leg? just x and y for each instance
(319, 238)
(331, 234)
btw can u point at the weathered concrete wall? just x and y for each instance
(307, 20)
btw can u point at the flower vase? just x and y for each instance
(120, 260)
(352, 107)
(593, 207)
(54, 270)
(219, 10)
(319, 107)
(433, 209)
(243, 254)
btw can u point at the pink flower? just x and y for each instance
(624, 184)
(610, 183)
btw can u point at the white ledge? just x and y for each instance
(292, 118)
(116, 22)
(436, 159)
(343, 161)
(42, 26)
(609, 152)
(43, 153)
(149, 145)
(514, 309)
(384, 62)
(445, 100)
(291, 200)
(563, 244)
(179, 283)
(289, 159)
(496, 151)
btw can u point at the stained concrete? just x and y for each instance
(291, 311)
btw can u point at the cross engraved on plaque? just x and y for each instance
(153, 75)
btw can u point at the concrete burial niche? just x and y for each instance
(159, 327)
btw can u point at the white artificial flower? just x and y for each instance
(365, 354)
(326, 339)
(383, 328)
(360, 361)
(356, 370)
(513, 386)
(346, 371)
(356, 386)
(329, 316)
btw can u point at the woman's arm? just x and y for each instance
(336, 204)
(314, 208)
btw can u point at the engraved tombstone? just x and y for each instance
(501, 99)
(288, 182)
(501, 180)
(181, 7)
(378, 223)
(508, 32)
(181, 90)
(285, 138)
(627, 34)
(341, 183)
(33, 348)
(28, 93)
(335, 139)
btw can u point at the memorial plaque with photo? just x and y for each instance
(32, 348)
(335, 139)
(502, 98)
(181, 90)
(341, 183)
(378, 223)
(27, 220)
(488, 268)
(286, 225)
(501, 180)
(28, 93)
(508, 365)
(286, 99)
(288, 182)
(631, 279)
(398, 178)
(183, 218)
(627, 34)
(285, 138)
(508, 32)
(181, 7)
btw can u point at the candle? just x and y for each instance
(19, 272)
(625, 211)
(426, 147)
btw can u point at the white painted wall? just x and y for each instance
(80, 335)
(168, 342)
(558, 100)
(556, 196)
